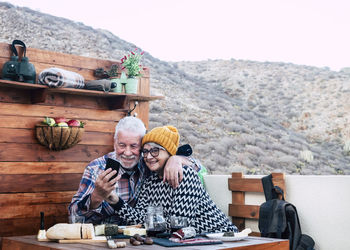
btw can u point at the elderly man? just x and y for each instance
(96, 185)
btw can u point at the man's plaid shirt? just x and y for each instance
(127, 190)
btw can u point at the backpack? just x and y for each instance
(279, 219)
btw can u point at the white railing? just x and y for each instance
(323, 204)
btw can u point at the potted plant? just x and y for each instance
(131, 63)
(113, 76)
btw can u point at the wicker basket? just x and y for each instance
(58, 138)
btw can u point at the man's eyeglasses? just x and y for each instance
(154, 152)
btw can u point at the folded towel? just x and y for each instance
(60, 78)
(103, 85)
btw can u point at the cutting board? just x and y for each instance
(96, 239)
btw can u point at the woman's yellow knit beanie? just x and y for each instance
(168, 137)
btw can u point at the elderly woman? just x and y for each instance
(189, 200)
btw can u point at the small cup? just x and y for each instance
(76, 219)
(177, 222)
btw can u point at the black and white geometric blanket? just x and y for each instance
(189, 200)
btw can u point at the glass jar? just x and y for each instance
(155, 222)
(177, 222)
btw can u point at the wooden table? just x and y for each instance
(29, 242)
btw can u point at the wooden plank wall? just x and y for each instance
(33, 178)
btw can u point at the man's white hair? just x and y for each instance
(132, 124)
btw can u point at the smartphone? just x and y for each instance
(114, 165)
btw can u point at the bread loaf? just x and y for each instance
(74, 231)
(62, 231)
(84, 233)
(90, 231)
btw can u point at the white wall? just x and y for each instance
(323, 204)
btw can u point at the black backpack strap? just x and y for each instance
(271, 191)
(280, 220)
(279, 191)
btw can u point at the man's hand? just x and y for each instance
(103, 187)
(173, 173)
(113, 198)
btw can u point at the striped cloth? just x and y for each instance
(60, 78)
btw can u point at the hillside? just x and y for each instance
(248, 116)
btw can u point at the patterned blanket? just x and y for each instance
(60, 78)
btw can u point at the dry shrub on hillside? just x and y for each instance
(270, 161)
(262, 130)
(276, 134)
(193, 140)
(153, 124)
(154, 109)
(255, 150)
(248, 163)
(246, 139)
(262, 145)
(155, 118)
(194, 120)
(233, 127)
(235, 167)
(278, 147)
(228, 143)
(288, 160)
(202, 149)
(222, 162)
(188, 127)
(245, 159)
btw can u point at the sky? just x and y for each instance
(306, 32)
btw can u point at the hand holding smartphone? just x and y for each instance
(114, 165)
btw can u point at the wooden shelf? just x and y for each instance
(39, 93)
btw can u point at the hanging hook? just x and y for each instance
(135, 104)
